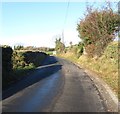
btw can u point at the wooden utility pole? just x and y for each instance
(63, 36)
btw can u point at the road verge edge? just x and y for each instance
(106, 92)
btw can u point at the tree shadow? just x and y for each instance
(49, 60)
(47, 69)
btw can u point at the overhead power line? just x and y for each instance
(66, 15)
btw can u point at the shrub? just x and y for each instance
(18, 59)
(97, 29)
(60, 47)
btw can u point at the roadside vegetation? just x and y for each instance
(105, 66)
(17, 64)
(97, 50)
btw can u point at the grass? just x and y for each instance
(70, 56)
(105, 68)
(49, 52)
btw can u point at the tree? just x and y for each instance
(19, 47)
(97, 29)
(59, 46)
(71, 44)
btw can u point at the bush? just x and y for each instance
(59, 46)
(77, 49)
(18, 60)
(111, 51)
(97, 29)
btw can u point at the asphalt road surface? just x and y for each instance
(57, 86)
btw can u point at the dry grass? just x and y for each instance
(106, 70)
(70, 56)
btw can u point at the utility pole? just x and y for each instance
(63, 36)
(65, 21)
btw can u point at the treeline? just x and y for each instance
(42, 49)
(16, 63)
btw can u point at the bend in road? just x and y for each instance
(69, 89)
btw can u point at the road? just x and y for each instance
(57, 86)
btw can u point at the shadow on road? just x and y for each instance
(48, 68)
(49, 60)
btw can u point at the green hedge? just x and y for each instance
(16, 64)
(34, 57)
(6, 61)
(7, 65)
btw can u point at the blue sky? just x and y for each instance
(38, 23)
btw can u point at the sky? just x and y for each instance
(39, 23)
